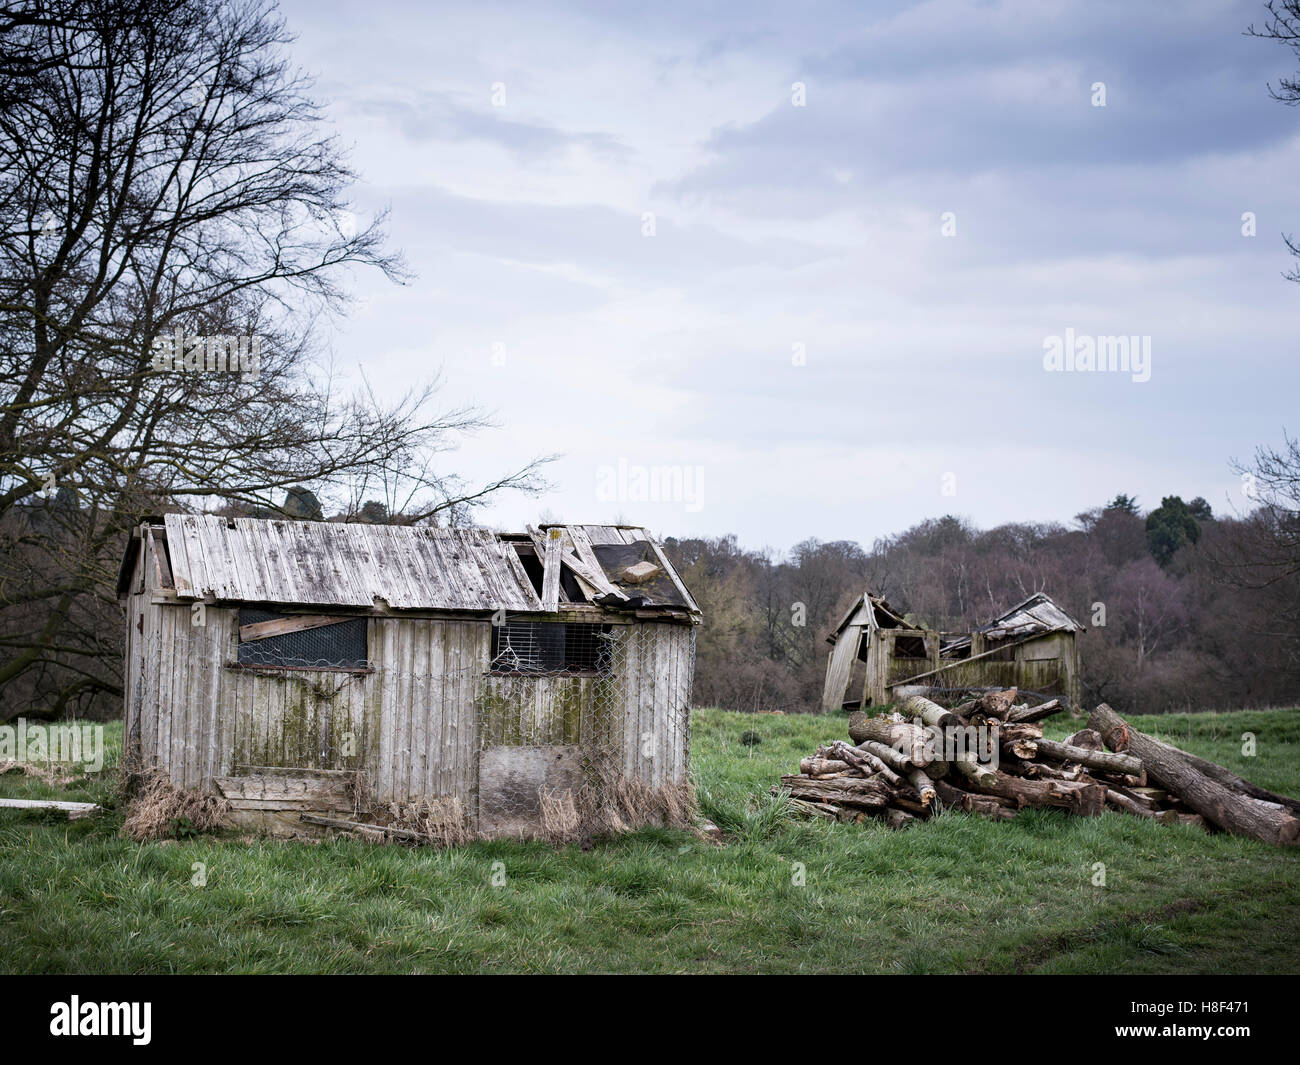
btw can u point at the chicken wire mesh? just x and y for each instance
(585, 728)
(534, 728)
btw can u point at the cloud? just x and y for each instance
(447, 117)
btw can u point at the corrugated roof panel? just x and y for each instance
(257, 560)
(335, 564)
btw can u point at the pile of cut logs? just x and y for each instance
(989, 757)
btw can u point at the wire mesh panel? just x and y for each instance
(532, 647)
(340, 644)
(573, 751)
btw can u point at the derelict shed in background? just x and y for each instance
(281, 662)
(1032, 647)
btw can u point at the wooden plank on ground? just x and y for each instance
(72, 809)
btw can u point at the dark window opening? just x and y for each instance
(550, 647)
(909, 647)
(341, 645)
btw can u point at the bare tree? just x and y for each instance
(173, 220)
(1283, 24)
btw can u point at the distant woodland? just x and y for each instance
(1200, 610)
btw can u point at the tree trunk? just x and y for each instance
(1242, 815)
(1231, 781)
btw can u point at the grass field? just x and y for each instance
(955, 895)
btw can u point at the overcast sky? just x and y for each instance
(799, 338)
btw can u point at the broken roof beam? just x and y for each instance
(951, 663)
(551, 570)
(587, 565)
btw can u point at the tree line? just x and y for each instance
(1183, 609)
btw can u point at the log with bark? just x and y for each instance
(862, 760)
(929, 713)
(1225, 776)
(1231, 810)
(1122, 764)
(1035, 713)
(916, 743)
(867, 792)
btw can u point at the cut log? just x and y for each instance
(868, 792)
(1128, 804)
(924, 786)
(914, 742)
(982, 777)
(1135, 795)
(1122, 764)
(1035, 713)
(987, 806)
(823, 766)
(1021, 740)
(1087, 738)
(997, 704)
(1080, 797)
(1232, 811)
(931, 714)
(886, 754)
(864, 761)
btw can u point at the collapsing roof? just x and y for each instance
(1036, 616)
(899, 653)
(399, 567)
(866, 610)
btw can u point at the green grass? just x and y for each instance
(955, 895)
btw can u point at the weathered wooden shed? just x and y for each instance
(320, 668)
(1032, 646)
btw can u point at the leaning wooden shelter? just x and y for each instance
(320, 672)
(1033, 647)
